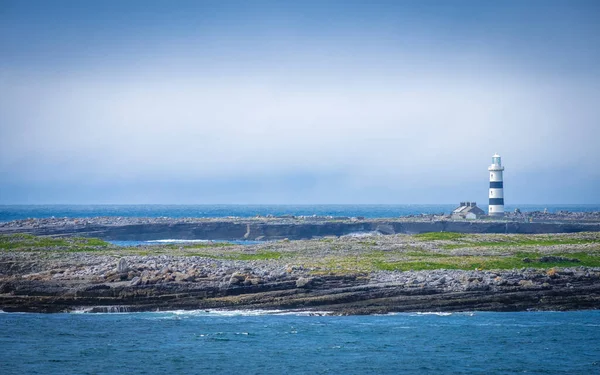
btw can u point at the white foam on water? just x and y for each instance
(178, 241)
(434, 313)
(415, 313)
(362, 234)
(212, 312)
(306, 313)
(113, 309)
(82, 310)
(168, 314)
(226, 313)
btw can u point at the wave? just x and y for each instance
(362, 234)
(419, 313)
(248, 312)
(177, 241)
(102, 310)
(208, 312)
(434, 313)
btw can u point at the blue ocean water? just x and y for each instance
(207, 343)
(15, 212)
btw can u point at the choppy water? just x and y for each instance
(14, 212)
(208, 343)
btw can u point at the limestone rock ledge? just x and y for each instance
(142, 229)
(375, 293)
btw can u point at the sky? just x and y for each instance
(247, 102)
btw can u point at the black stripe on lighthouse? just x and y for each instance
(496, 201)
(496, 185)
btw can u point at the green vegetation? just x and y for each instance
(25, 242)
(427, 251)
(486, 262)
(264, 255)
(94, 242)
(523, 242)
(482, 251)
(435, 236)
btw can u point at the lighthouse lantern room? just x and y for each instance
(496, 205)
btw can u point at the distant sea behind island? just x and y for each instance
(19, 212)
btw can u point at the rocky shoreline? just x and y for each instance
(297, 227)
(168, 286)
(329, 276)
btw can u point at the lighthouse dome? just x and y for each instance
(496, 160)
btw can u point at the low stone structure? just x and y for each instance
(467, 210)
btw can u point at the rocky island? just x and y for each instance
(52, 268)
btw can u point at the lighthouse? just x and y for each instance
(496, 207)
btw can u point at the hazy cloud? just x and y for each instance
(337, 120)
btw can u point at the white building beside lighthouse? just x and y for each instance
(496, 207)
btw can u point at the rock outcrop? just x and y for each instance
(102, 283)
(142, 229)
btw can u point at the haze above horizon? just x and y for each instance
(298, 103)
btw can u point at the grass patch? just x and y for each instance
(263, 255)
(21, 241)
(425, 254)
(586, 259)
(11, 242)
(523, 242)
(437, 236)
(411, 266)
(95, 242)
(486, 262)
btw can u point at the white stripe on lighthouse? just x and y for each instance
(496, 193)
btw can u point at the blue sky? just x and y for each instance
(310, 102)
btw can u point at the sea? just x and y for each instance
(251, 342)
(17, 212)
(279, 342)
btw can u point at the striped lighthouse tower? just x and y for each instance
(496, 207)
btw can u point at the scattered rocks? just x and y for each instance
(304, 282)
(549, 259)
(237, 279)
(122, 266)
(526, 283)
(437, 290)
